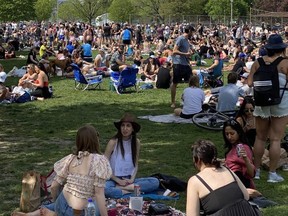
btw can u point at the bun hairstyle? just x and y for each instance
(205, 151)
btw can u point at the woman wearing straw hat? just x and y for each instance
(123, 152)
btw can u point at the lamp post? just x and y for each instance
(231, 21)
(59, 2)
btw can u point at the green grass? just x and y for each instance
(34, 135)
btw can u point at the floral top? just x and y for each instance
(82, 186)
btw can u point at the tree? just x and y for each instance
(121, 10)
(220, 7)
(43, 9)
(88, 9)
(17, 10)
(271, 5)
(66, 11)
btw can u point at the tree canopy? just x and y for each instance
(17, 10)
(127, 10)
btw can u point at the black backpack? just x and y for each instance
(266, 83)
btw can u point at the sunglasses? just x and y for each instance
(232, 122)
(248, 110)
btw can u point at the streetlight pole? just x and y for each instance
(231, 21)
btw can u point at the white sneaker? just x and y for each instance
(285, 167)
(274, 178)
(257, 174)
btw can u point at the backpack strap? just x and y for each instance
(261, 61)
(276, 62)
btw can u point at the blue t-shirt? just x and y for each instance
(87, 50)
(126, 35)
(228, 97)
(183, 46)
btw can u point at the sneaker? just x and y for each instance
(257, 174)
(285, 167)
(274, 178)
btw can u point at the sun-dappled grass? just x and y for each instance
(36, 134)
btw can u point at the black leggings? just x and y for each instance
(41, 92)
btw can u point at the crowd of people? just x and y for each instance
(167, 64)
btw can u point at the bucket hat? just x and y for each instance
(128, 117)
(275, 41)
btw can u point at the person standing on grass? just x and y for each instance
(180, 59)
(271, 121)
(123, 153)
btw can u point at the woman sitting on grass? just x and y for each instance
(239, 155)
(247, 120)
(123, 152)
(215, 189)
(28, 78)
(41, 85)
(83, 175)
(193, 98)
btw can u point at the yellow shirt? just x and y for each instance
(42, 50)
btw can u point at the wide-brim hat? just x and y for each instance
(275, 41)
(128, 118)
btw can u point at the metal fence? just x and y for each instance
(255, 20)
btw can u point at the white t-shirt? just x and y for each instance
(193, 99)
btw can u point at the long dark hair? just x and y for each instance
(119, 144)
(205, 151)
(238, 128)
(247, 100)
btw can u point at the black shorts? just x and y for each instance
(185, 116)
(181, 72)
(127, 42)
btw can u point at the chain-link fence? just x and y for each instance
(255, 20)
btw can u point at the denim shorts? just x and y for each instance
(62, 208)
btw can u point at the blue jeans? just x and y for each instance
(147, 185)
(62, 208)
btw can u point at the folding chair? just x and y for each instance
(213, 79)
(124, 79)
(85, 81)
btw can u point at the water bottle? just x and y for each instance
(91, 208)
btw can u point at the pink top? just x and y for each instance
(236, 163)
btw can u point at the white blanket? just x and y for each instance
(169, 118)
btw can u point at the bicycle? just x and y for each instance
(212, 119)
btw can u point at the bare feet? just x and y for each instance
(173, 105)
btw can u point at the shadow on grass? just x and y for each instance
(35, 135)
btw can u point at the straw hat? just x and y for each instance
(127, 117)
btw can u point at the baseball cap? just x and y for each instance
(3, 77)
(245, 75)
(242, 55)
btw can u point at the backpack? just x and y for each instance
(170, 182)
(266, 83)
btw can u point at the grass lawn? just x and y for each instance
(34, 135)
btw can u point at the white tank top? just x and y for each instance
(122, 166)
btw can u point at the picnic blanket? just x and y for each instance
(168, 118)
(122, 208)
